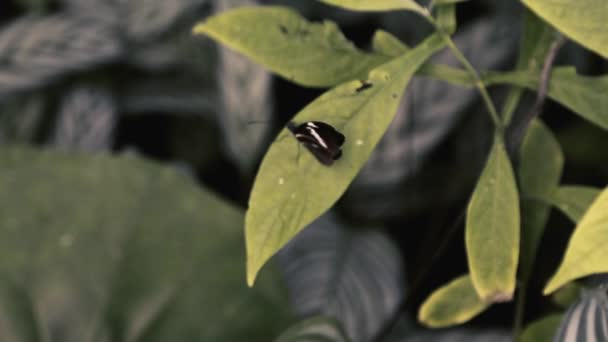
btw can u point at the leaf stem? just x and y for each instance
(519, 310)
(479, 84)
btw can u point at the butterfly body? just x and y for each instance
(321, 139)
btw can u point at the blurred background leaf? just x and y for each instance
(122, 249)
(352, 274)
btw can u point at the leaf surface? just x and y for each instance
(586, 252)
(452, 304)
(292, 188)
(583, 20)
(492, 228)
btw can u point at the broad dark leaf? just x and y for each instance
(102, 248)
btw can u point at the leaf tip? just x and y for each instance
(200, 28)
(551, 287)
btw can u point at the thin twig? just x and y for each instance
(517, 135)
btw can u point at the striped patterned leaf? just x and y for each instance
(316, 329)
(353, 275)
(586, 320)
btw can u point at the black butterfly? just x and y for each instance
(321, 139)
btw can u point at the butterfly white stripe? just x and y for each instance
(318, 137)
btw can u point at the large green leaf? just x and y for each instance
(541, 330)
(311, 54)
(292, 188)
(378, 5)
(573, 200)
(316, 329)
(452, 304)
(540, 169)
(115, 249)
(582, 20)
(492, 228)
(584, 95)
(586, 252)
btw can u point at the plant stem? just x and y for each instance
(478, 82)
(519, 310)
(500, 127)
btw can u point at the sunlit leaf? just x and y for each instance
(492, 228)
(126, 248)
(541, 330)
(292, 188)
(354, 275)
(582, 20)
(384, 43)
(311, 54)
(378, 5)
(586, 252)
(316, 329)
(452, 304)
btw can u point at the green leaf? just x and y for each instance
(583, 20)
(316, 329)
(292, 188)
(573, 200)
(127, 248)
(534, 217)
(378, 5)
(452, 304)
(446, 18)
(310, 54)
(540, 169)
(541, 161)
(541, 330)
(586, 252)
(492, 228)
(567, 295)
(584, 95)
(386, 44)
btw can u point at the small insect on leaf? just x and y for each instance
(321, 139)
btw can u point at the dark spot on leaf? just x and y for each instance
(283, 29)
(394, 96)
(364, 85)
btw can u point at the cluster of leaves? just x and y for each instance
(507, 211)
(109, 248)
